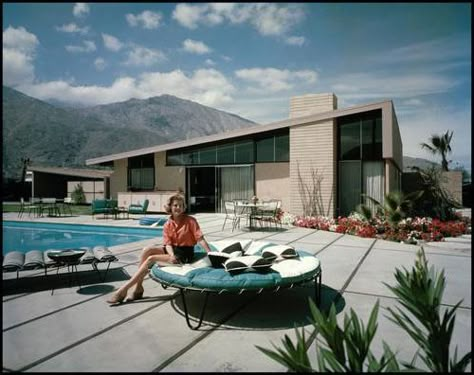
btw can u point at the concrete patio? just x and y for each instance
(75, 330)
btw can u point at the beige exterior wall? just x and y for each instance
(118, 179)
(452, 183)
(272, 180)
(313, 151)
(305, 105)
(392, 147)
(168, 178)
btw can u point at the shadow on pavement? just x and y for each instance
(41, 282)
(269, 310)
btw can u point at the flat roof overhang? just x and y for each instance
(297, 121)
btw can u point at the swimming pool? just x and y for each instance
(25, 236)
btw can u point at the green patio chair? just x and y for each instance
(136, 208)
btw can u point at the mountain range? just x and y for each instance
(52, 135)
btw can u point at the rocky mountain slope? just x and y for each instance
(53, 136)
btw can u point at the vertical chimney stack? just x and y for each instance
(309, 104)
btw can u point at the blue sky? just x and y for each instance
(249, 59)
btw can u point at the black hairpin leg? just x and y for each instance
(317, 288)
(186, 310)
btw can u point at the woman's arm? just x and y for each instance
(202, 241)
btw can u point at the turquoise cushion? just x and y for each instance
(201, 275)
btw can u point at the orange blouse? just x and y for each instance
(186, 233)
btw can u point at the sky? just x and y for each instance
(251, 58)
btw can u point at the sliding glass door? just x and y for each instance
(234, 183)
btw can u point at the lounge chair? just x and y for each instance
(136, 208)
(37, 259)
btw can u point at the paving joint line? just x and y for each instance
(91, 336)
(201, 337)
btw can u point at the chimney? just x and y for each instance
(309, 104)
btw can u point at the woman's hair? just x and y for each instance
(175, 197)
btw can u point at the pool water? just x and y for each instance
(26, 236)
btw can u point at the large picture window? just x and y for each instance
(361, 167)
(141, 172)
(269, 147)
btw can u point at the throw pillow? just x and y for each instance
(247, 263)
(217, 258)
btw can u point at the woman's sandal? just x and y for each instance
(116, 298)
(137, 295)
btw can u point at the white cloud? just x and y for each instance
(20, 39)
(210, 62)
(364, 86)
(19, 47)
(194, 46)
(205, 86)
(112, 43)
(441, 49)
(80, 9)
(295, 40)
(100, 64)
(269, 19)
(73, 28)
(88, 46)
(147, 19)
(142, 56)
(275, 80)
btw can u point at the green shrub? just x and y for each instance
(347, 348)
(78, 196)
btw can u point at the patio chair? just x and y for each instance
(136, 208)
(268, 214)
(232, 212)
(66, 206)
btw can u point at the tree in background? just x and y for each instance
(440, 144)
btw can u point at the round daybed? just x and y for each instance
(240, 266)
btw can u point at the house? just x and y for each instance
(60, 182)
(319, 161)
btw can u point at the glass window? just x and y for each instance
(282, 147)
(174, 158)
(349, 186)
(244, 152)
(207, 155)
(350, 141)
(225, 154)
(141, 174)
(265, 149)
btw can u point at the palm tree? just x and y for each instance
(440, 144)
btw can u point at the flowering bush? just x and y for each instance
(408, 230)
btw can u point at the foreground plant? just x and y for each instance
(347, 348)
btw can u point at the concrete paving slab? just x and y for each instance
(71, 331)
(338, 263)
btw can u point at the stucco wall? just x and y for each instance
(168, 178)
(313, 151)
(272, 180)
(118, 179)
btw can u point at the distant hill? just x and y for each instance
(416, 162)
(57, 136)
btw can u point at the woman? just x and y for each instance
(180, 233)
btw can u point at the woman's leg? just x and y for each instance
(147, 252)
(138, 277)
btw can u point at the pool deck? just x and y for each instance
(75, 330)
